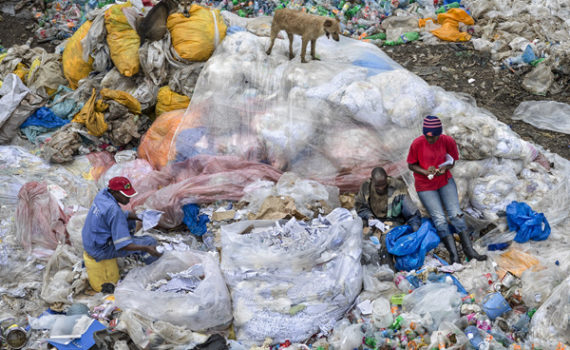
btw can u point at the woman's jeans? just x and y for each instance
(435, 202)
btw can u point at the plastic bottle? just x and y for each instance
(474, 336)
(403, 284)
(501, 337)
(521, 326)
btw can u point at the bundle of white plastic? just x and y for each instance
(291, 280)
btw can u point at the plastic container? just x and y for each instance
(381, 314)
(495, 305)
(474, 336)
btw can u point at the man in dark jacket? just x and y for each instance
(386, 199)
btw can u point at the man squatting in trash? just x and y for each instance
(107, 230)
(385, 198)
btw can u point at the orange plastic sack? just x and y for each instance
(169, 100)
(449, 21)
(515, 262)
(74, 67)
(123, 40)
(156, 144)
(195, 38)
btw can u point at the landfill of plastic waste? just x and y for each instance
(246, 167)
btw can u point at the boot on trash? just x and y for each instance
(449, 244)
(468, 247)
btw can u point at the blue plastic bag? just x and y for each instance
(44, 117)
(195, 223)
(410, 247)
(527, 223)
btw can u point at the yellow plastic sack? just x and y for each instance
(449, 21)
(99, 273)
(92, 116)
(169, 100)
(21, 71)
(33, 67)
(74, 67)
(195, 38)
(123, 98)
(156, 143)
(123, 40)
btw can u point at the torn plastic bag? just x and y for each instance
(410, 248)
(92, 116)
(63, 144)
(63, 104)
(40, 221)
(94, 45)
(290, 280)
(27, 106)
(184, 80)
(527, 223)
(44, 117)
(195, 223)
(207, 307)
(63, 276)
(13, 92)
(548, 115)
(435, 303)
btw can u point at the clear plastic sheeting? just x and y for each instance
(550, 323)
(312, 118)
(290, 280)
(549, 115)
(208, 306)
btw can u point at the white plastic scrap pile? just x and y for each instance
(288, 280)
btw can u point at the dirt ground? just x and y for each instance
(448, 65)
(451, 65)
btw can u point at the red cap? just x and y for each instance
(123, 185)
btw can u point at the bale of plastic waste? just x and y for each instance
(185, 288)
(290, 280)
(74, 67)
(123, 40)
(196, 37)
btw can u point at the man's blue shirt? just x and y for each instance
(106, 228)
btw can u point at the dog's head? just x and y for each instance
(184, 7)
(332, 27)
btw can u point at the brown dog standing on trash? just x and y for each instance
(153, 25)
(309, 27)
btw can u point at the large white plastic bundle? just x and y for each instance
(207, 306)
(290, 280)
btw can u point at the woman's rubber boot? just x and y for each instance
(468, 247)
(449, 244)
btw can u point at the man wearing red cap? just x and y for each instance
(106, 233)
